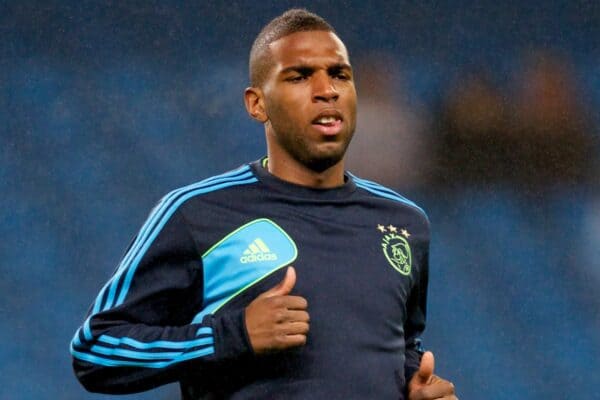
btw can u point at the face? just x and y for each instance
(309, 100)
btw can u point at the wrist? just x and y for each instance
(231, 336)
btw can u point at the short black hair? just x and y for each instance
(291, 21)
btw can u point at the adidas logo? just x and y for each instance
(257, 251)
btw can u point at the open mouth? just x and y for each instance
(328, 122)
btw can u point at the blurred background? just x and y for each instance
(486, 115)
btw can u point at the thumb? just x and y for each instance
(425, 372)
(285, 286)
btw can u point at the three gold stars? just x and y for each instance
(391, 228)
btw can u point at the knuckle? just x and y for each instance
(279, 315)
(274, 301)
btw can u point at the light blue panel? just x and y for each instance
(242, 258)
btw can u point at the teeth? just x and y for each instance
(326, 120)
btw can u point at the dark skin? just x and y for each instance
(310, 76)
(276, 320)
(307, 103)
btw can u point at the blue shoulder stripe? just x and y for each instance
(150, 223)
(168, 213)
(157, 215)
(143, 233)
(121, 280)
(155, 222)
(385, 192)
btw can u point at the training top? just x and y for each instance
(174, 308)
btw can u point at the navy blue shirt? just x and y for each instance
(174, 308)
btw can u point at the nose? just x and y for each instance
(324, 88)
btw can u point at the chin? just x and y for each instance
(323, 163)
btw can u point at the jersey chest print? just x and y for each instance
(239, 260)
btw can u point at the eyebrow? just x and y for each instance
(305, 69)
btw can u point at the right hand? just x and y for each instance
(275, 320)
(424, 385)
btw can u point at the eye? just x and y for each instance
(296, 78)
(341, 74)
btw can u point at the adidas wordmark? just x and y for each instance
(257, 251)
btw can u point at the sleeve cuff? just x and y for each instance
(230, 335)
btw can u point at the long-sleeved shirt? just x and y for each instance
(174, 308)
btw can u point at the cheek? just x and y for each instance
(351, 98)
(351, 105)
(284, 110)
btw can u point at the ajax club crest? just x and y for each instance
(396, 248)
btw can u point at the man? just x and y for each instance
(207, 295)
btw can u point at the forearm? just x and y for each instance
(127, 358)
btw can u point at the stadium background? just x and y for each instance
(490, 113)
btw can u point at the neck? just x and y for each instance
(295, 172)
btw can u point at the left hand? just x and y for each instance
(424, 385)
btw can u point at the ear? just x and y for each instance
(255, 105)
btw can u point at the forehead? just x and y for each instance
(310, 47)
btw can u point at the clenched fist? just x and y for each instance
(275, 320)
